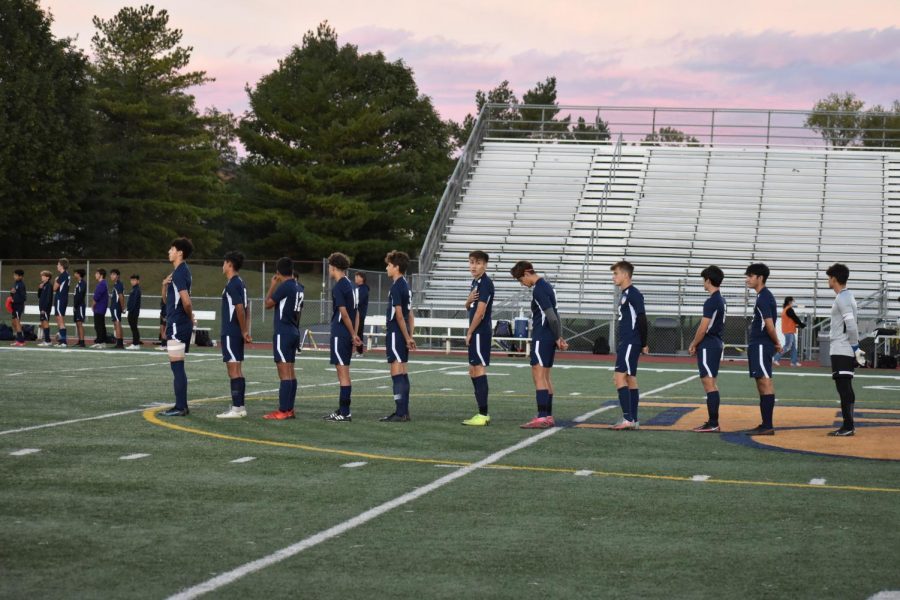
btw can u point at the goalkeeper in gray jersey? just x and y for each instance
(845, 350)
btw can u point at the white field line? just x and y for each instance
(354, 465)
(25, 451)
(134, 456)
(323, 536)
(243, 459)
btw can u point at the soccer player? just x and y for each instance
(134, 312)
(299, 312)
(343, 331)
(546, 337)
(61, 299)
(179, 322)
(632, 341)
(99, 302)
(45, 304)
(708, 345)
(78, 304)
(18, 295)
(399, 333)
(117, 305)
(285, 297)
(478, 337)
(763, 344)
(845, 350)
(235, 331)
(162, 319)
(363, 291)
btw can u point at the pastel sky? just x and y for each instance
(713, 53)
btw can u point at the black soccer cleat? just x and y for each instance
(760, 430)
(842, 432)
(395, 418)
(175, 412)
(707, 428)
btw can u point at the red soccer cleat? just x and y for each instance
(280, 415)
(539, 423)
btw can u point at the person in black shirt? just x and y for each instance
(363, 289)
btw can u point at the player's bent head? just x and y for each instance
(520, 269)
(183, 245)
(64, 263)
(623, 266)
(840, 272)
(19, 273)
(714, 275)
(398, 259)
(339, 261)
(235, 258)
(360, 278)
(135, 277)
(285, 267)
(758, 269)
(479, 255)
(81, 273)
(115, 272)
(101, 273)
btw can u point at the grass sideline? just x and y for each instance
(78, 521)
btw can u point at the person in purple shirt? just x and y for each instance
(99, 304)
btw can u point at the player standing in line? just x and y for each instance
(79, 304)
(762, 346)
(845, 352)
(18, 295)
(631, 343)
(285, 297)
(343, 331)
(235, 331)
(61, 300)
(134, 312)
(478, 337)
(546, 337)
(117, 305)
(162, 319)
(708, 345)
(99, 302)
(179, 322)
(399, 333)
(45, 305)
(363, 292)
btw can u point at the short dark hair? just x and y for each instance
(184, 245)
(361, 275)
(339, 261)
(714, 274)
(235, 258)
(117, 272)
(787, 300)
(135, 276)
(102, 273)
(479, 255)
(840, 272)
(759, 269)
(399, 259)
(285, 266)
(64, 262)
(19, 272)
(623, 265)
(81, 273)
(520, 269)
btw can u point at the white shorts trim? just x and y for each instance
(278, 347)
(233, 358)
(537, 352)
(478, 350)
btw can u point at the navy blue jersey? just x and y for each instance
(45, 296)
(288, 297)
(343, 294)
(766, 308)
(63, 292)
(630, 306)
(485, 288)
(399, 295)
(78, 297)
(543, 300)
(234, 294)
(18, 293)
(714, 310)
(116, 292)
(134, 300)
(363, 292)
(181, 281)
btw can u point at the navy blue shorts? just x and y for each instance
(480, 349)
(284, 347)
(60, 306)
(116, 313)
(627, 356)
(341, 349)
(395, 347)
(18, 311)
(78, 313)
(181, 333)
(232, 348)
(709, 355)
(760, 357)
(542, 353)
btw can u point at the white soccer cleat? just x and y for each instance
(45, 344)
(235, 412)
(133, 347)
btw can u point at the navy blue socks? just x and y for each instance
(712, 407)
(398, 392)
(345, 400)
(481, 393)
(625, 402)
(284, 395)
(238, 385)
(766, 408)
(62, 336)
(405, 394)
(635, 397)
(180, 384)
(543, 402)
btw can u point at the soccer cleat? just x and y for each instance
(760, 430)
(842, 432)
(707, 428)
(174, 412)
(395, 418)
(99, 346)
(277, 415)
(337, 417)
(777, 363)
(539, 423)
(45, 344)
(80, 344)
(18, 344)
(61, 345)
(235, 412)
(478, 420)
(133, 347)
(624, 425)
(161, 348)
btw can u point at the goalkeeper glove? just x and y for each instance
(859, 354)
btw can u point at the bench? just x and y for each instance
(451, 329)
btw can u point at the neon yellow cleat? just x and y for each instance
(478, 420)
